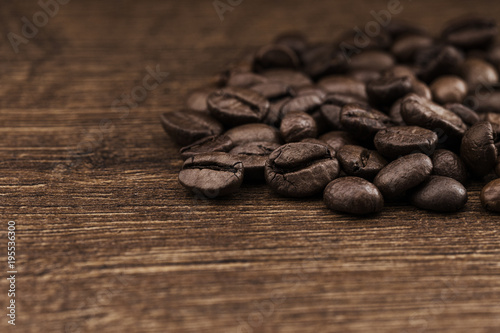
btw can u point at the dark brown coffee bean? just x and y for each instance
(309, 103)
(197, 99)
(300, 169)
(245, 80)
(387, 90)
(490, 196)
(293, 40)
(275, 56)
(494, 120)
(273, 117)
(403, 140)
(467, 115)
(360, 162)
(440, 194)
(405, 48)
(470, 32)
(254, 155)
(398, 29)
(365, 75)
(371, 60)
(343, 85)
(449, 89)
(237, 106)
(438, 60)
(297, 126)
(478, 149)
(338, 139)
(210, 144)
(421, 89)
(419, 111)
(294, 79)
(447, 164)
(212, 175)
(252, 133)
(272, 90)
(320, 122)
(363, 122)
(188, 126)
(477, 72)
(331, 115)
(403, 174)
(485, 99)
(323, 59)
(353, 195)
(395, 113)
(400, 71)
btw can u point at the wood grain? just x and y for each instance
(109, 242)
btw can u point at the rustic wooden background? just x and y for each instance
(109, 242)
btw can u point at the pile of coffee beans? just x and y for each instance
(400, 116)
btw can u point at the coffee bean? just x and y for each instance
(403, 140)
(197, 100)
(305, 103)
(419, 111)
(494, 120)
(343, 85)
(467, 115)
(237, 106)
(395, 113)
(300, 169)
(406, 47)
(292, 78)
(360, 162)
(294, 40)
(331, 115)
(365, 75)
(273, 117)
(363, 122)
(478, 149)
(490, 196)
(387, 90)
(485, 99)
(477, 72)
(275, 56)
(245, 80)
(188, 126)
(212, 175)
(323, 59)
(400, 71)
(309, 90)
(252, 133)
(297, 126)
(319, 120)
(440, 194)
(446, 163)
(470, 32)
(398, 29)
(349, 42)
(449, 89)
(353, 195)
(210, 144)
(254, 155)
(338, 139)
(403, 174)
(371, 60)
(272, 90)
(438, 60)
(421, 89)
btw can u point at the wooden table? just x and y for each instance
(107, 240)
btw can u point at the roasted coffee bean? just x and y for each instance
(353, 195)
(252, 133)
(477, 72)
(309, 90)
(300, 169)
(254, 155)
(293, 40)
(273, 90)
(319, 142)
(188, 126)
(419, 111)
(447, 164)
(449, 89)
(406, 47)
(297, 126)
(365, 75)
(421, 89)
(403, 140)
(237, 106)
(363, 122)
(212, 175)
(494, 120)
(309, 103)
(403, 174)
(338, 139)
(490, 196)
(395, 113)
(387, 90)
(438, 60)
(273, 117)
(320, 122)
(398, 29)
(485, 99)
(245, 79)
(478, 149)
(371, 60)
(275, 56)
(197, 100)
(294, 79)
(470, 32)
(210, 144)
(331, 115)
(440, 194)
(400, 71)
(343, 85)
(322, 60)
(360, 162)
(467, 115)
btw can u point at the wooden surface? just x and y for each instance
(109, 242)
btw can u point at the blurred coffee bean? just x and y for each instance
(294, 40)
(470, 33)
(245, 80)
(406, 47)
(468, 116)
(292, 78)
(297, 126)
(343, 85)
(275, 56)
(322, 60)
(386, 90)
(210, 144)
(448, 89)
(438, 60)
(187, 126)
(373, 60)
(197, 99)
(253, 133)
(477, 72)
(272, 90)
